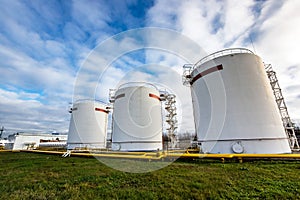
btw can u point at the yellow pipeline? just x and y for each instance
(170, 154)
(128, 155)
(2, 150)
(191, 155)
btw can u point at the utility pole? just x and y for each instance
(1, 131)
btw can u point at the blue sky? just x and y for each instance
(43, 45)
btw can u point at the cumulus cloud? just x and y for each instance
(278, 44)
(267, 27)
(21, 111)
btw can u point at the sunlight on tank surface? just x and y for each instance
(137, 118)
(88, 125)
(234, 106)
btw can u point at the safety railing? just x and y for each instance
(223, 52)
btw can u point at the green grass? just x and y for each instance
(41, 176)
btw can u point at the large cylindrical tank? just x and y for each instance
(88, 125)
(137, 118)
(234, 106)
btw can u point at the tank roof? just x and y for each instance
(220, 53)
(89, 100)
(137, 84)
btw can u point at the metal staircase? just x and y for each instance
(287, 123)
(171, 119)
(112, 95)
(186, 76)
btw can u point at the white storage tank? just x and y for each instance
(137, 118)
(88, 125)
(234, 106)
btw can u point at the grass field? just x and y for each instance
(41, 176)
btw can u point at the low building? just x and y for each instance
(26, 141)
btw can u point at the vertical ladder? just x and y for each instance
(286, 120)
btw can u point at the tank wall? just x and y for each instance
(88, 125)
(236, 104)
(137, 119)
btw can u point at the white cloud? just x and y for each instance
(238, 18)
(278, 44)
(164, 14)
(23, 111)
(90, 16)
(212, 24)
(72, 32)
(43, 109)
(279, 37)
(195, 22)
(55, 48)
(20, 69)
